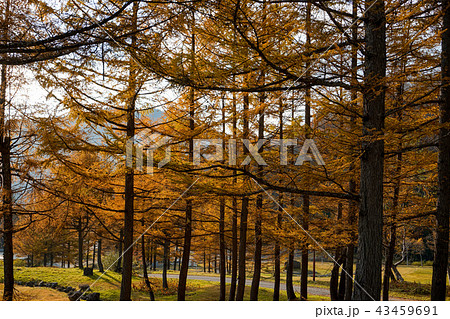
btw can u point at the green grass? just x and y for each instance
(417, 285)
(108, 285)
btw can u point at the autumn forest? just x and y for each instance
(225, 150)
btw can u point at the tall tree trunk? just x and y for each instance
(119, 260)
(186, 252)
(204, 260)
(87, 254)
(215, 262)
(352, 205)
(8, 254)
(222, 259)
(68, 254)
(5, 145)
(289, 274)
(144, 267)
(242, 250)
(80, 244)
(439, 279)
(154, 256)
(234, 226)
(370, 229)
(93, 255)
(188, 221)
(234, 251)
(150, 253)
(244, 212)
(176, 256)
(99, 256)
(128, 229)
(290, 270)
(209, 261)
(305, 217)
(395, 203)
(165, 263)
(277, 270)
(334, 279)
(259, 206)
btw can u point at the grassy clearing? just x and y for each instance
(417, 285)
(108, 286)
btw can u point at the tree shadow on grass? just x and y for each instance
(106, 277)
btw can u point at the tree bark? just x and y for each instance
(68, 254)
(99, 256)
(119, 260)
(439, 278)
(352, 205)
(339, 258)
(244, 212)
(87, 254)
(215, 262)
(305, 217)
(186, 252)
(188, 221)
(290, 266)
(8, 224)
(234, 226)
(93, 256)
(277, 270)
(289, 273)
(154, 255)
(144, 266)
(80, 244)
(5, 145)
(165, 263)
(370, 229)
(128, 231)
(258, 219)
(204, 260)
(176, 256)
(242, 250)
(222, 260)
(334, 279)
(234, 251)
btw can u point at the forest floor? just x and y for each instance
(201, 286)
(417, 285)
(108, 285)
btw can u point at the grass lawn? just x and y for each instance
(108, 286)
(417, 285)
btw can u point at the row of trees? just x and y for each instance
(366, 81)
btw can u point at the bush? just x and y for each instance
(108, 260)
